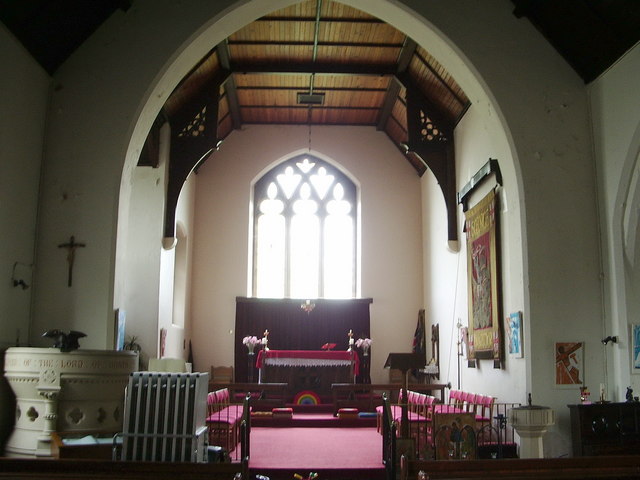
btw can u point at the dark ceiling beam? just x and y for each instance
(304, 107)
(439, 116)
(306, 123)
(190, 146)
(438, 152)
(230, 85)
(406, 54)
(150, 154)
(321, 89)
(391, 97)
(388, 103)
(285, 43)
(366, 21)
(309, 68)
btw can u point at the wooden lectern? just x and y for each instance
(404, 362)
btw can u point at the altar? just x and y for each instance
(305, 370)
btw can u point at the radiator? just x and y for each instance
(164, 417)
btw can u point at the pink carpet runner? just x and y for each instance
(310, 449)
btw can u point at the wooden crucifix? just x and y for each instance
(71, 246)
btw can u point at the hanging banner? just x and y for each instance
(482, 273)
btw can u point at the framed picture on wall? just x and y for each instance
(513, 331)
(569, 364)
(635, 349)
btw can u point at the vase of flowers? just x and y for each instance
(364, 343)
(251, 341)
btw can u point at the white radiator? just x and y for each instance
(165, 416)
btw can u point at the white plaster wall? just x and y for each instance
(24, 93)
(543, 103)
(141, 265)
(99, 118)
(478, 137)
(390, 224)
(615, 107)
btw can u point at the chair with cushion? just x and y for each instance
(468, 402)
(223, 419)
(484, 411)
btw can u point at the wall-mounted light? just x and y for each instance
(608, 339)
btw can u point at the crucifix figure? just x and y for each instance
(71, 246)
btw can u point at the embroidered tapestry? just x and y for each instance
(483, 282)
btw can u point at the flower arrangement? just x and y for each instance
(364, 343)
(251, 342)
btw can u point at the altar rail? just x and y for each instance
(264, 396)
(15, 468)
(367, 396)
(611, 467)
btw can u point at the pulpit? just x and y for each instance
(81, 391)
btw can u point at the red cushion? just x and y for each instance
(282, 410)
(348, 410)
(230, 414)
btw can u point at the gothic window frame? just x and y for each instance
(350, 194)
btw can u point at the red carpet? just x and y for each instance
(345, 453)
(313, 420)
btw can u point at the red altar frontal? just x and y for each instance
(313, 370)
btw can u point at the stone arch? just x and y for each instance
(221, 24)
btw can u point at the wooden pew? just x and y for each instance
(614, 467)
(18, 468)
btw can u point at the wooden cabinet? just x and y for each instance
(605, 428)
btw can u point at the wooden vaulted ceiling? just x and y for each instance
(355, 66)
(350, 67)
(318, 62)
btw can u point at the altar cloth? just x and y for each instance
(308, 358)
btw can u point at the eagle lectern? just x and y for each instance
(404, 362)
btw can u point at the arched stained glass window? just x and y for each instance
(304, 222)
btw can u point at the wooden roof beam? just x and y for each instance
(389, 101)
(190, 146)
(222, 50)
(309, 68)
(408, 49)
(437, 153)
(309, 19)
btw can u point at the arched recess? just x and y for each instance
(399, 15)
